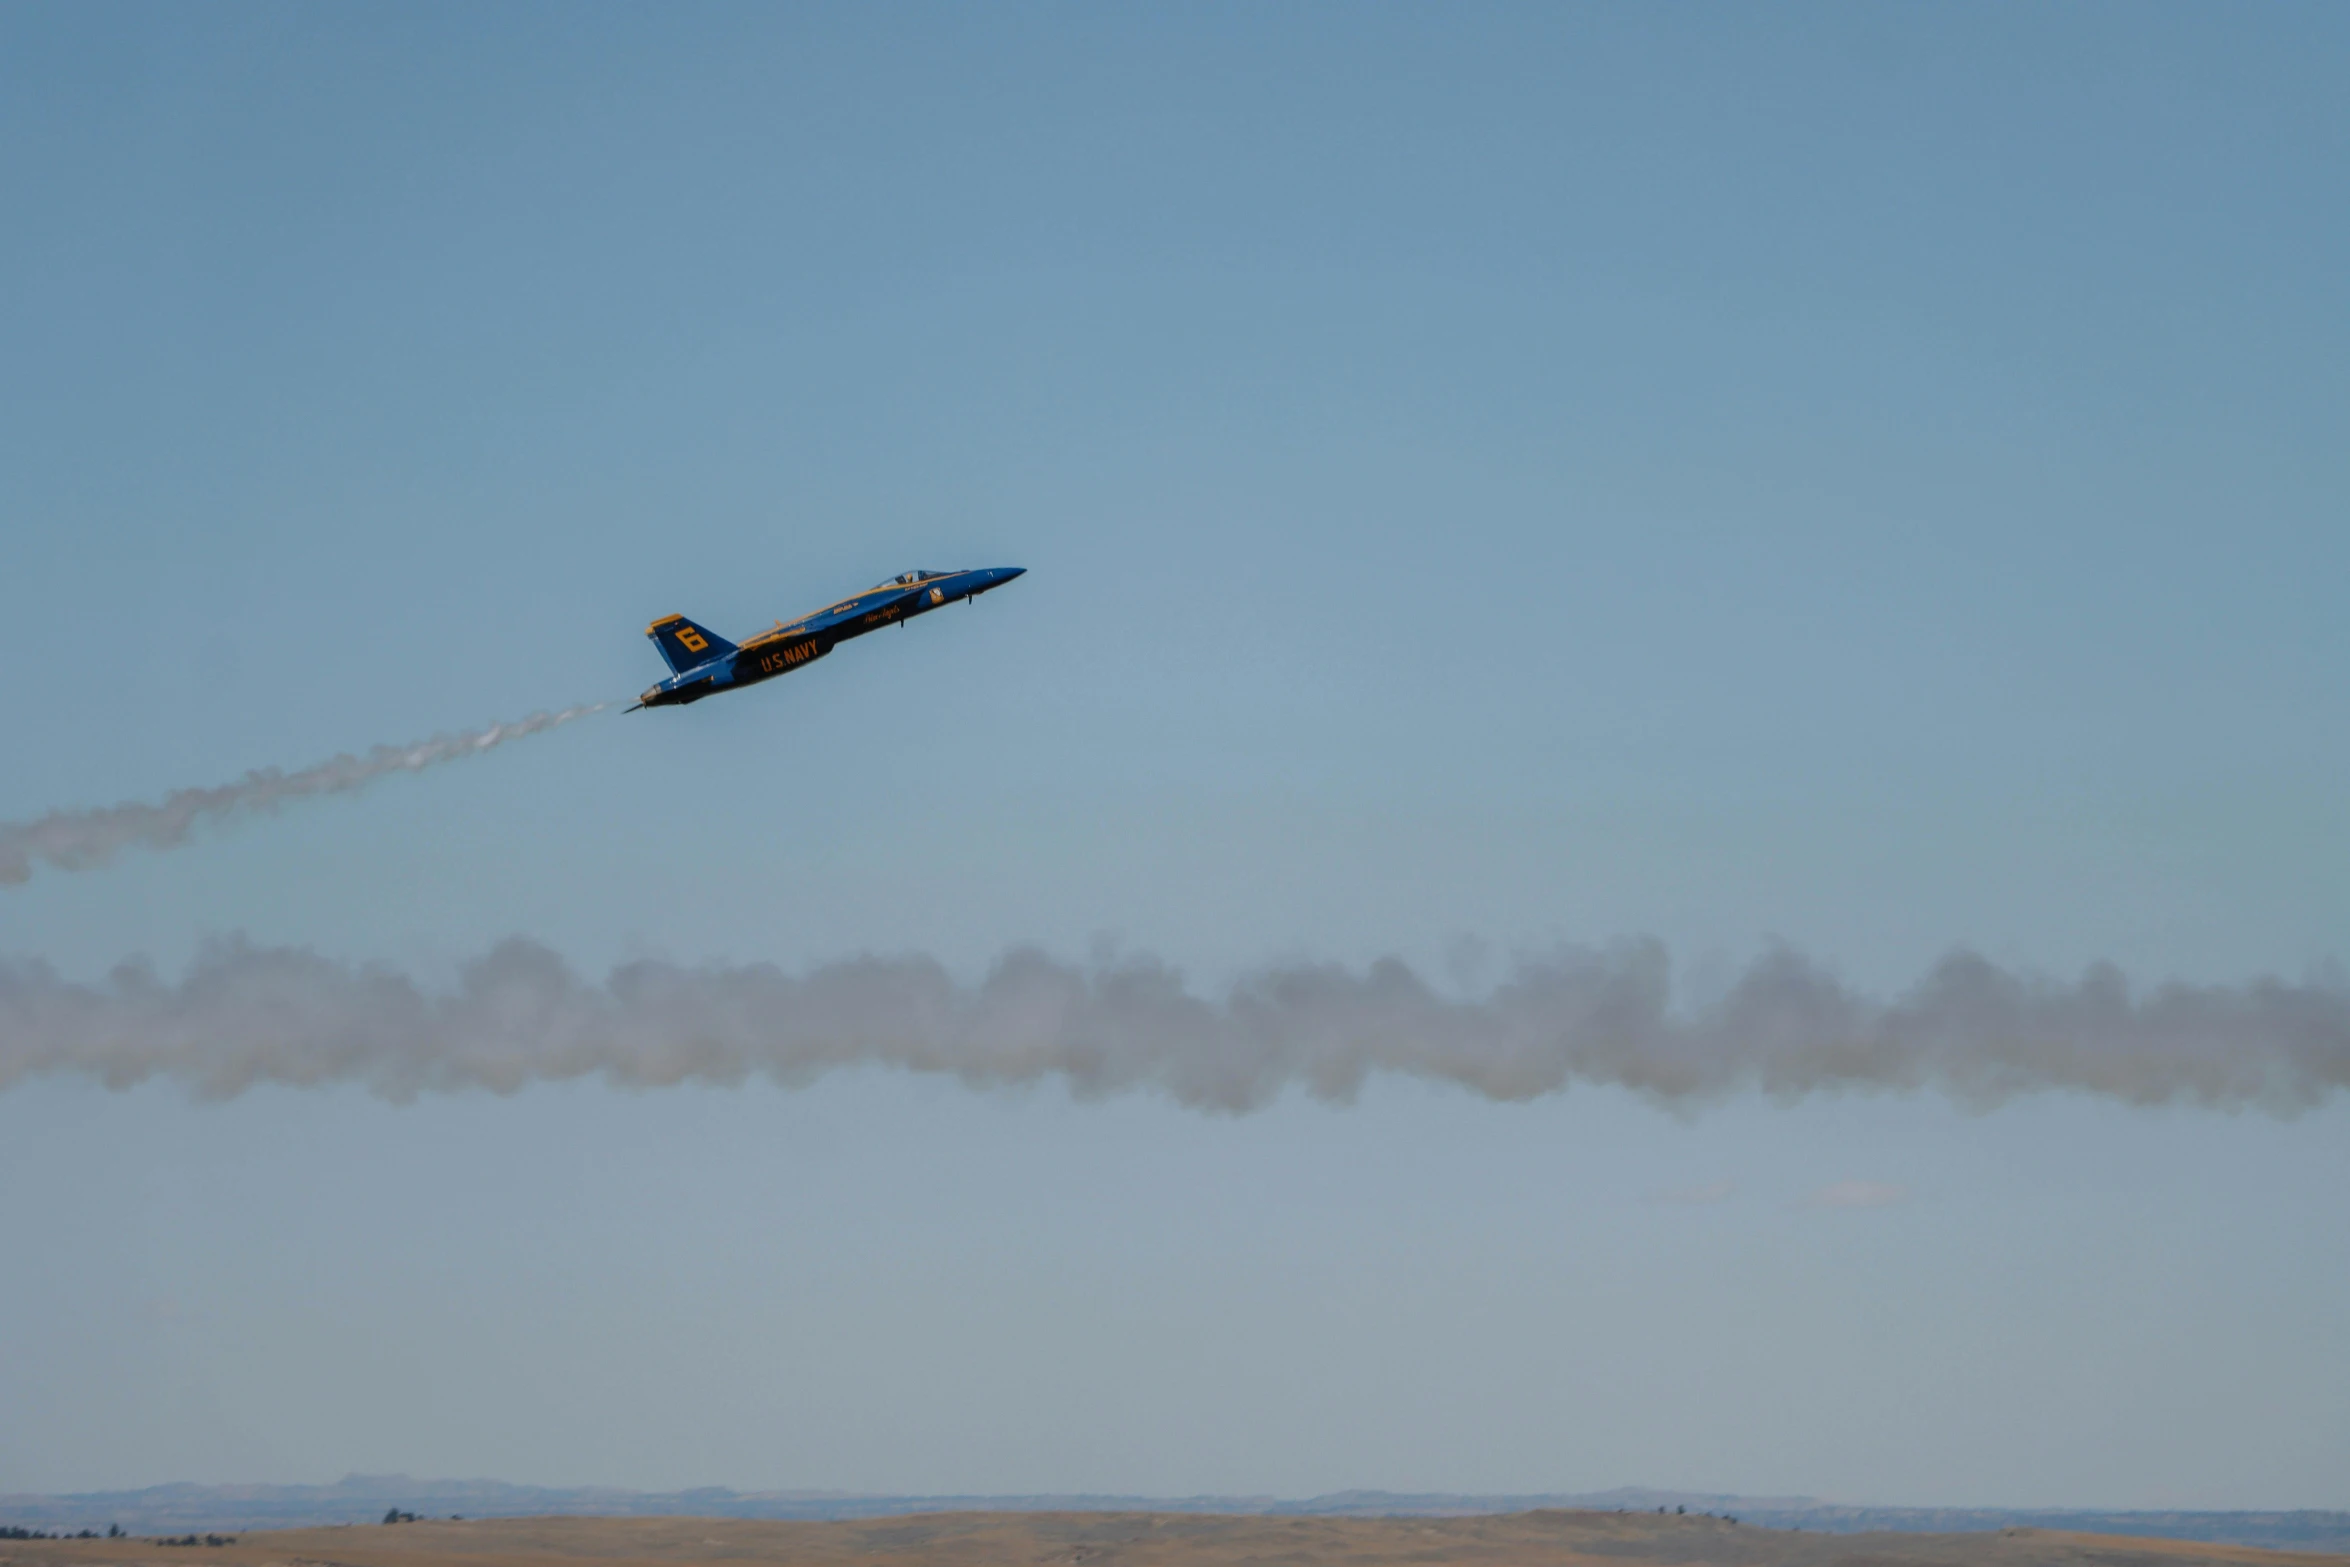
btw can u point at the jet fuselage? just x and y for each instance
(703, 663)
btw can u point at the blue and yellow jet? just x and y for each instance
(703, 663)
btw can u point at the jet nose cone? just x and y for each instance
(1007, 573)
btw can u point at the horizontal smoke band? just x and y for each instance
(246, 1016)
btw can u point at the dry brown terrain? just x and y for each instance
(1536, 1539)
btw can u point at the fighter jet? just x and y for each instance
(703, 663)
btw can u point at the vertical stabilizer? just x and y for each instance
(685, 644)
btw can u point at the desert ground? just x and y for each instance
(1548, 1538)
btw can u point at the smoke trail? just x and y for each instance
(84, 840)
(245, 1016)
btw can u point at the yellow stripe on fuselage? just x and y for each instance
(799, 626)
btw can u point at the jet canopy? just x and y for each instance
(906, 579)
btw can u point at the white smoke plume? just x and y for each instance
(85, 840)
(245, 1016)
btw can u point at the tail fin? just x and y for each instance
(685, 644)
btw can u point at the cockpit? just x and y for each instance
(906, 579)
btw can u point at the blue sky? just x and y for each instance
(1870, 479)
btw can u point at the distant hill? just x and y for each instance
(178, 1509)
(1548, 1537)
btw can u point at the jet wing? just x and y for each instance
(853, 610)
